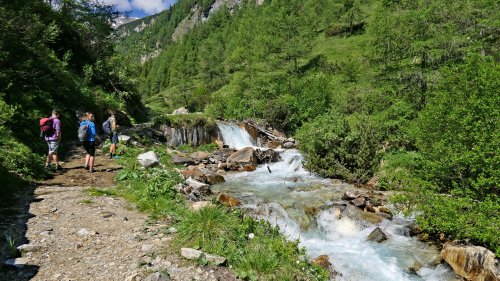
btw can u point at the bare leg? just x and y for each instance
(47, 162)
(91, 163)
(112, 149)
(87, 158)
(56, 159)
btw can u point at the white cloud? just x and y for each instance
(152, 6)
(121, 5)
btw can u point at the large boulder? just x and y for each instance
(215, 179)
(148, 159)
(474, 263)
(377, 235)
(242, 160)
(267, 156)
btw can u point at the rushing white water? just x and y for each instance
(282, 195)
(234, 136)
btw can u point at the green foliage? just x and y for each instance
(268, 256)
(100, 192)
(184, 120)
(339, 147)
(458, 132)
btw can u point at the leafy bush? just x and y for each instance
(336, 146)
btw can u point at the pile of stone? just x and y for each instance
(368, 202)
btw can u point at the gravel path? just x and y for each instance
(73, 235)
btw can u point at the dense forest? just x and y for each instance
(51, 57)
(405, 93)
(398, 92)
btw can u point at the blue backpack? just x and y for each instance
(106, 126)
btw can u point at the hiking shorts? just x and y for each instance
(89, 147)
(113, 137)
(53, 146)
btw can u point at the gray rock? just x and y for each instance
(17, 263)
(26, 248)
(215, 260)
(191, 254)
(349, 195)
(359, 202)
(289, 145)
(242, 160)
(158, 276)
(148, 159)
(124, 139)
(181, 160)
(377, 235)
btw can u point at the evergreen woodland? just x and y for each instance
(403, 91)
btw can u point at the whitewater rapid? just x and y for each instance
(282, 195)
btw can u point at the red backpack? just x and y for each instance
(46, 126)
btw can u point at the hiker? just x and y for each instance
(110, 127)
(51, 131)
(86, 134)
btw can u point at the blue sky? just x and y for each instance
(140, 8)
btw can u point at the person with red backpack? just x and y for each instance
(51, 131)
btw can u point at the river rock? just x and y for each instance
(349, 195)
(158, 276)
(199, 155)
(369, 208)
(215, 260)
(384, 212)
(242, 160)
(148, 159)
(228, 200)
(267, 156)
(322, 261)
(215, 179)
(359, 202)
(474, 263)
(289, 145)
(194, 174)
(191, 254)
(415, 267)
(182, 160)
(377, 235)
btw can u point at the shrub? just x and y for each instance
(336, 146)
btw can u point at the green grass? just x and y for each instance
(214, 230)
(86, 201)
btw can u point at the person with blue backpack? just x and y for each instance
(110, 128)
(86, 134)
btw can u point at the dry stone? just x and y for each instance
(474, 263)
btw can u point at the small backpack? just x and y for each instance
(106, 126)
(46, 126)
(83, 132)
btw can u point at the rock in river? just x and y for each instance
(377, 235)
(242, 160)
(471, 262)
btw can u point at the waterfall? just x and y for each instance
(234, 136)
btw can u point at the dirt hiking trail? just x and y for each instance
(78, 230)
